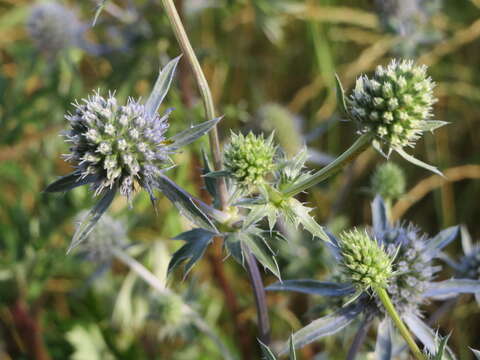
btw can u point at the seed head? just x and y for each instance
(53, 27)
(117, 145)
(364, 261)
(249, 159)
(394, 104)
(388, 181)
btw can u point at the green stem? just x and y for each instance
(353, 151)
(205, 92)
(387, 303)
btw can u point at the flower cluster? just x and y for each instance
(249, 159)
(364, 261)
(388, 181)
(53, 27)
(394, 104)
(115, 144)
(106, 236)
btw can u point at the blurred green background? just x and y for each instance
(271, 65)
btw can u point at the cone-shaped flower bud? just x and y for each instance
(249, 159)
(388, 181)
(364, 261)
(116, 145)
(395, 104)
(53, 27)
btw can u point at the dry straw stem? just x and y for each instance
(459, 39)
(367, 60)
(431, 183)
(338, 14)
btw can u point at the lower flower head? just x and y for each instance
(116, 145)
(364, 261)
(249, 159)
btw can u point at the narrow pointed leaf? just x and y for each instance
(234, 247)
(341, 103)
(313, 287)
(197, 242)
(384, 344)
(99, 10)
(379, 215)
(450, 288)
(69, 182)
(424, 333)
(161, 86)
(442, 347)
(467, 244)
(292, 354)
(325, 326)
(217, 174)
(267, 353)
(431, 125)
(439, 241)
(210, 184)
(308, 222)
(185, 203)
(417, 162)
(191, 134)
(256, 214)
(261, 251)
(89, 222)
(476, 353)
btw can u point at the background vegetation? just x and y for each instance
(255, 53)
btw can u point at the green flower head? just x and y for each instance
(365, 262)
(249, 159)
(395, 104)
(388, 181)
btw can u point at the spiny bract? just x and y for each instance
(388, 181)
(117, 145)
(395, 104)
(53, 27)
(364, 261)
(249, 159)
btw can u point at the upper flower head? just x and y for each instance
(249, 159)
(364, 261)
(116, 144)
(53, 27)
(388, 181)
(395, 104)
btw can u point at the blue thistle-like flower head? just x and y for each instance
(117, 145)
(53, 27)
(395, 104)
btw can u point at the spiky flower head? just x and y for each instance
(171, 313)
(105, 237)
(388, 181)
(249, 159)
(413, 266)
(395, 104)
(53, 27)
(117, 145)
(364, 261)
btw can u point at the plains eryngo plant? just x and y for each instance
(53, 27)
(401, 260)
(121, 147)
